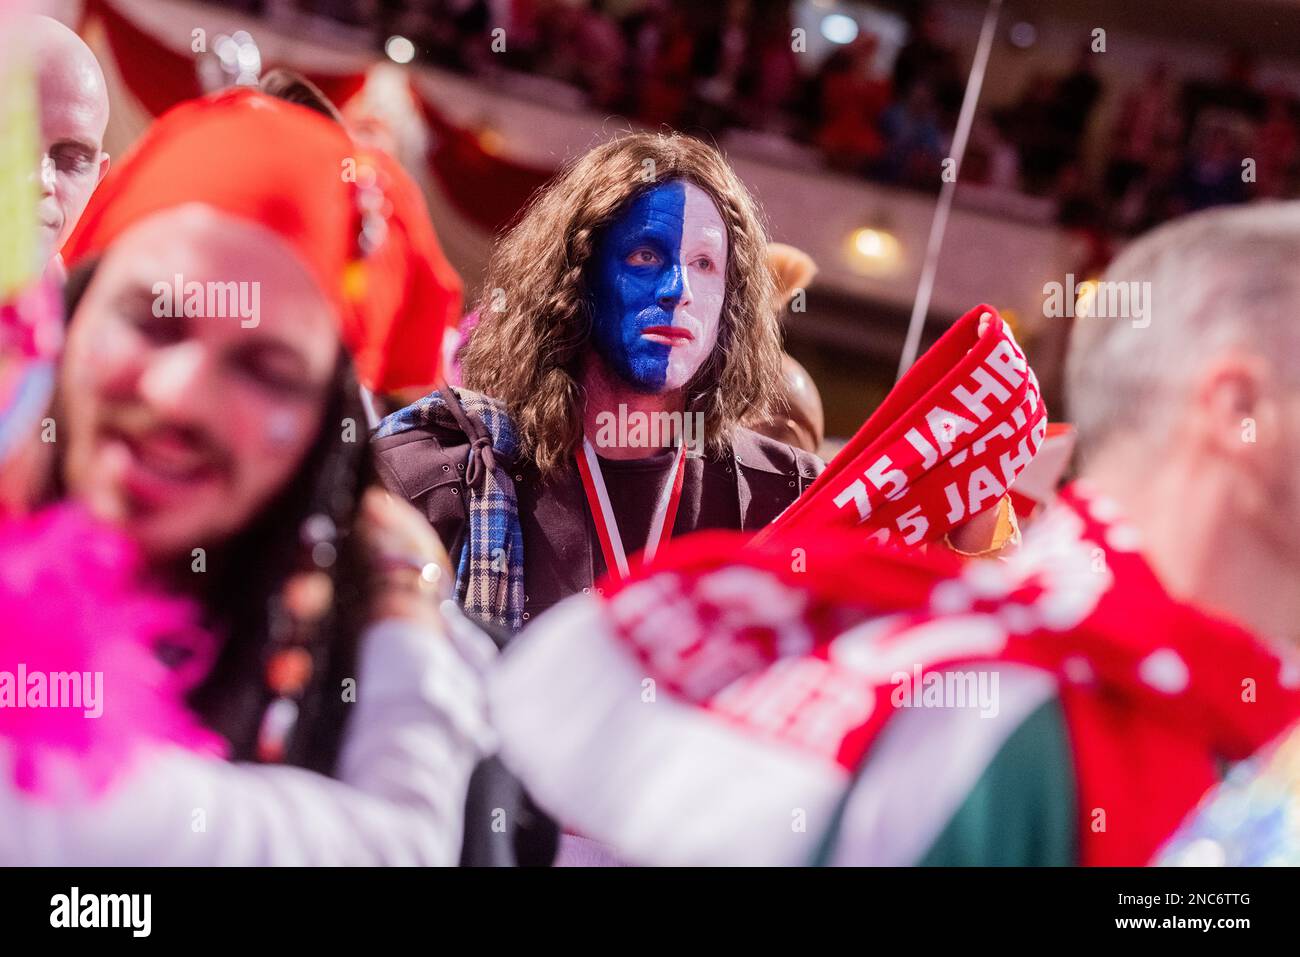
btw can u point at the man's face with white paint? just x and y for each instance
(658, 281)
(74, 115)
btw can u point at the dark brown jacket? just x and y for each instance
(743, 489)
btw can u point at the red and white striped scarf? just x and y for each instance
(770, 679)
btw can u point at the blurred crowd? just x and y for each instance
(719, 66)
(281, 586)
(1177, 145)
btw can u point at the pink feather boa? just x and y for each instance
(71, 601)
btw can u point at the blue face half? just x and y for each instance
(637, 279)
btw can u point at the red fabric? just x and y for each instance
(1136, 779)
(946, 443)
(160, 77)
(487, 190)
(239, 152)
(339, 87)
(798, 639)
(282, 166)
(412, 292)
(404, 317)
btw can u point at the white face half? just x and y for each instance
(659, 282)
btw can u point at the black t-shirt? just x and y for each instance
(635, 487)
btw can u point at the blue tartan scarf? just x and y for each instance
(490, 574)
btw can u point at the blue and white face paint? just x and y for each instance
(658, 279)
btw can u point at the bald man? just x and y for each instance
(74, 115)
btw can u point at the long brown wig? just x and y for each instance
(535, 309)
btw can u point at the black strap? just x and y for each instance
(482, 460)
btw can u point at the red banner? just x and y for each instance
(946, 443)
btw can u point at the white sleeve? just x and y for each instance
(399, 797)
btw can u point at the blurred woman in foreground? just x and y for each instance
(207, 405)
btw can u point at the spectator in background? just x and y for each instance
(1238, 86)
(1149, 201)
(599, 54)
(1031, 127)
(990, 159)
(796, 417)
(1149, 120)
(1073, 99)
(1275, 148)
(456, 31)
(1049, 120)
(1232, 92)
(667, 54)
(1212, 172)
(73, 115)
(851, 101)
(924, 59)
(915, 142)
(1077, 205)
(720, 55)
(1076, 94)
(769, 80)
(643, 31)
(523, 28)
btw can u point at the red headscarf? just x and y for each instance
(352, 216)
(416, 294)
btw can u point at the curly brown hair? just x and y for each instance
(535, 309)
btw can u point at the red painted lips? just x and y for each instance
(668, 335)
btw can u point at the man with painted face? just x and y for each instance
(657, 288)
(627, 326)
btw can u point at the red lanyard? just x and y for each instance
(602, 513)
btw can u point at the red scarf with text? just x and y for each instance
(800, 648)
(947, 442)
